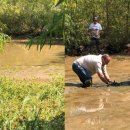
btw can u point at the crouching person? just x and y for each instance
(88, 65)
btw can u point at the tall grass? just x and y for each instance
(28, 105)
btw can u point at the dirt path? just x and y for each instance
(19, 62)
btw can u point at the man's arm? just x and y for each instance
(90, 29)
(100, 29)
(102, 73)
(102, 77)
(106, 76)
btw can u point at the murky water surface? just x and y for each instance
(98, 107)
(18, 61)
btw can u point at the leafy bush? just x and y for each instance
(26, 17)
(30, 105)
(3, 39)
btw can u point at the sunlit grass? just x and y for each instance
(30, 105)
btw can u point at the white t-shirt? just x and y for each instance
(93, 63)
(95, 28)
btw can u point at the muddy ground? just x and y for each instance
(98, 107)
(19, 62)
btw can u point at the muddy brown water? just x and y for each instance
(17, 61)
(98, 107)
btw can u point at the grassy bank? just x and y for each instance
(30, 105)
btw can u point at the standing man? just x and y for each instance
(88, 65)
(94, 32)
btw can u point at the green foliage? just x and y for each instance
(3, 39)
(59, 2)
(66, 19)
(22, 17)
(53, 29)
(113, 16)
(30, 105)
(31, 17)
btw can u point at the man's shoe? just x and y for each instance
(87, 83)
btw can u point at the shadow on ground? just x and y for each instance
(125, 83)
(56, 124)
(68, 84)
(120, 84)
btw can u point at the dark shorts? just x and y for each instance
(83, 74)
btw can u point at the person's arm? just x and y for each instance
(100, 71)
(101, 76)
(89, 29)
(100, 29)
(106, 76)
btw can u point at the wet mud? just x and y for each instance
(98, 107)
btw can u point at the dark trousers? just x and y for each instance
(83, 74)
(96, 41)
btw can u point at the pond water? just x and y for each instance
(18, 61)
(98, 107)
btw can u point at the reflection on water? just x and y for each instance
(20, 62)
(82, 109)
(98, 107)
